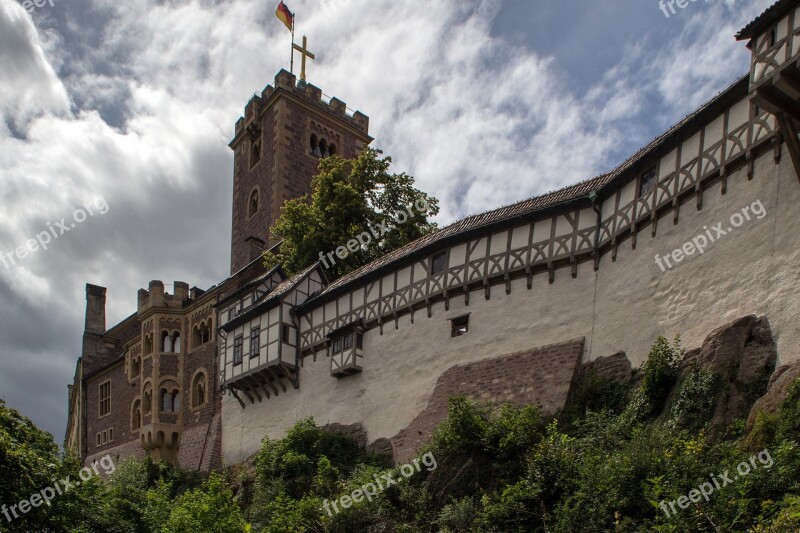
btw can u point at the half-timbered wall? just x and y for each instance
(541, 282)
(775, 47)
(541, 244)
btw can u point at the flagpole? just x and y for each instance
(291, 62)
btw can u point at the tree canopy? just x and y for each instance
(357, 212)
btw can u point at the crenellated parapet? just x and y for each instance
(286, 85)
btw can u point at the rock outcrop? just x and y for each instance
(743, 355)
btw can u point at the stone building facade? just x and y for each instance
(693, 231)
(150, 385)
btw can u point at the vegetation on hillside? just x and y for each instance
(613, 461)
(356, 201)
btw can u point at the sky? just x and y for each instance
(115, 118)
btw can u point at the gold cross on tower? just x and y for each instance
(304, 53)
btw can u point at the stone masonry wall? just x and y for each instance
(539, 377)
(122, 395)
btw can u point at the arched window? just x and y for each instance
(199, 385)
(176, 342)
(147, 400)
(323, 148)
(314, 145)
(148, 344)
(136, 415)
(169, 397)
(166, 342)
(136, 367)
(255, 154)
(196, 340)
(252, 204)
(332, 149)
(166, 401)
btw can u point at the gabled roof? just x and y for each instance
(271, 300)
(539, 206)
(766, 19)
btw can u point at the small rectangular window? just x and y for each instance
(648, 183)
(337, 345)
(110, 434)
(104, 434)
(288, 338)
(359, 340)
(238, 346)
(98, 440)
(348, 341)
(459, 326)
(438, 264)
(105, 398)
(255, 342)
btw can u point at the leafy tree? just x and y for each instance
(353, 201)
(210, 508)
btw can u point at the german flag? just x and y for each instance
(286, 16)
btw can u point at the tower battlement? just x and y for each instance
(155, 297)
(287, 82)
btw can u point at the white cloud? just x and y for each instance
(156, 87)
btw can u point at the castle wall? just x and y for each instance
(624, 305)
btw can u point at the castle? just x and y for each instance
(696, 229)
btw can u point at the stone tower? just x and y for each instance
(279, 142)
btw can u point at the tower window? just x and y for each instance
(255, 154)
(332, 149)
(252, 205)
(773, 37)
(314, 145)
(199, 389)
(136, 415)
(323, 148)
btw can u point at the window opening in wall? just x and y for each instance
(648, 183)
(459, 326)
(105, 398)
(252, 208)
(238, 346)
(255, 154)
(255, 342)
(438, 263)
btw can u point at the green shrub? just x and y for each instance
(210, 508)
(693, 404)
(660, 372)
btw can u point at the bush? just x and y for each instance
(660, 372)
(210, 508)
(695, 400)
